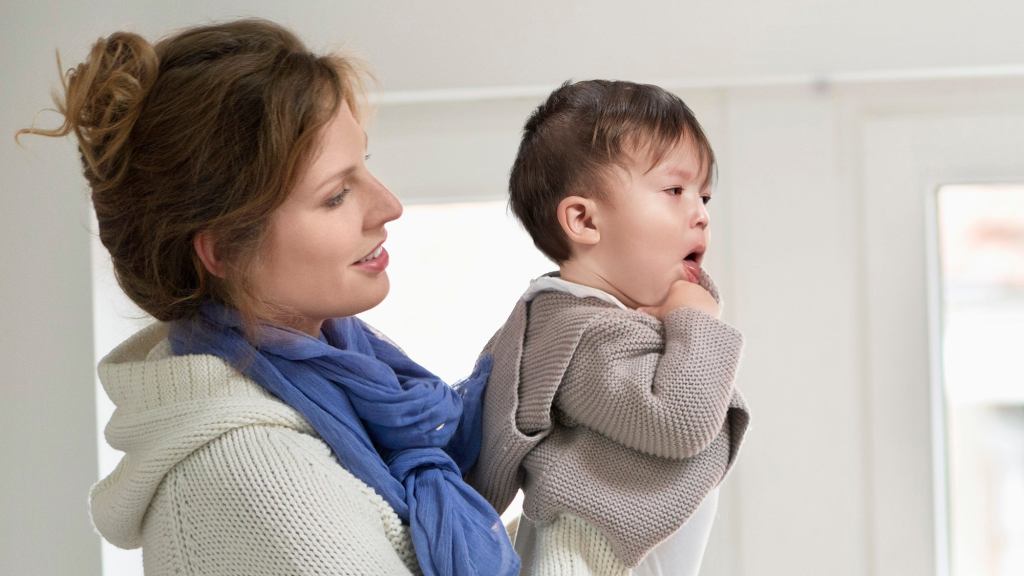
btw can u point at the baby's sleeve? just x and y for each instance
(664, 393)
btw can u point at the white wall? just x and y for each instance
(790, 240)
(48, 448)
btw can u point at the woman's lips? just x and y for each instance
(376, 264)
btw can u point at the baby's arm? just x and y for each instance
(666, 397)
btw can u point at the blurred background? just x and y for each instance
(867, 236)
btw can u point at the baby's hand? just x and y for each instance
(684, 294)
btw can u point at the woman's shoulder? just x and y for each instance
(143, 374)
(218, 470)
(273, 498)
(268, 461)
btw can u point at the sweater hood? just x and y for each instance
(167, 408)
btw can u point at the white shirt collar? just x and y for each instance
(553, 283)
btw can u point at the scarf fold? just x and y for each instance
(393, 424)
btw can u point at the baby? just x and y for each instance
(612, 402)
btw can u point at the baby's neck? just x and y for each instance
(573, 270)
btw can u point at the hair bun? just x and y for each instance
(102, 99)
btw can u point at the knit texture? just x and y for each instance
(398, 427)
(610, 416)
(220, 478)
(570, 546)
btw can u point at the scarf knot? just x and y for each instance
(407, 462)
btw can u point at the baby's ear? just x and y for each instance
(577, 217)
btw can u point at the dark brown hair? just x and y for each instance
(583, 129)
(208, 130)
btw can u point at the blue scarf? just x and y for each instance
(389, 421)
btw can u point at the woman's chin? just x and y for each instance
(372, 297)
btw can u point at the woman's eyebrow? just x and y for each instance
(345, 171)
(340, 175)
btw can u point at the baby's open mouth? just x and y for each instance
(692, 264)
(695, 257)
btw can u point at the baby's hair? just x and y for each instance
(582, 130)
(208, 130)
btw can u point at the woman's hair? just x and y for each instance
(207, 131)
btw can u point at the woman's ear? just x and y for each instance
(205, 246)
(578, 218)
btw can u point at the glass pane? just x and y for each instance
(981, 247)
(456, 272)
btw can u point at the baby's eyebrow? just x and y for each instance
(680, 173)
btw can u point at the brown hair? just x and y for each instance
(208, 130)
(583, 129)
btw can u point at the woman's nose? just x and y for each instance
(386, 207)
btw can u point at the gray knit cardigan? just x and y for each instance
(610, 415)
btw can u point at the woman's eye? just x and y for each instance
(337, 199)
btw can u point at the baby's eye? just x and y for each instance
(675, 190)
(706, 200)
(338, 198)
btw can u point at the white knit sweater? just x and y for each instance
(220, 478)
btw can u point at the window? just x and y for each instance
(456, 272)
(981, 253)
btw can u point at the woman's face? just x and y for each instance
(323, 256)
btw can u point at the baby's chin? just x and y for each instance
(649, 295)
(650, 300)
(663, 293)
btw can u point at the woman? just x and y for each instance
(265, 429)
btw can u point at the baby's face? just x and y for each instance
(653, 227)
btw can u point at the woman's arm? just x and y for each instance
(271, 500)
